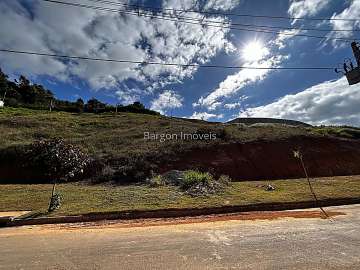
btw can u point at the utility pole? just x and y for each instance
(169, 103)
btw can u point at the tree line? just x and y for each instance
(22, 93)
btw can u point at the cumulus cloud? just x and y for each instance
(222, 4)
(330, 102)
(353, 11)
(205, 116)
(231, 106)
(305, 8)
(45, 27)
(127, 95)
(167, 100)
(234, 83)
(284, 39)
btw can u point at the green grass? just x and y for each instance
(344, 132)
(80, 199)
(194, 177)
(118, 135)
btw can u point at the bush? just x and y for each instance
(101, 173)
(192, 178)
(156, 181)
(135, 169)
(197, 183)
(58, 160)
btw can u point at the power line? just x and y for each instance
(224, 13)
(152, 9)
(160, 63)
(191, 21)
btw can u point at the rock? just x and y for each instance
(269, 187)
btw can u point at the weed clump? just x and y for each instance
(196, 183)
(156, 181)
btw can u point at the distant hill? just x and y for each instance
(251, 121)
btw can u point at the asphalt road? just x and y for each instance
(285, 243)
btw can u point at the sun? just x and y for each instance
(254, 51)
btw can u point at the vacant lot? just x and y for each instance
(118, 135)
(80, 199)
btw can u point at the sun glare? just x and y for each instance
(254, 51)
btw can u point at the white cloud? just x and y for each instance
(167, 100)
(205, 116)
(284, 39)
(353, 11)
(234, 83)
(221, 4)
(231, 106)
(127, 95)
(182, 4)
(305, 8)
(330, 102)
(105, 35)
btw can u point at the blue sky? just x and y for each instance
(317, 97)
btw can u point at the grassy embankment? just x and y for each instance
(80, 199)
(122, 134)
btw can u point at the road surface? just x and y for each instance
(284, 243)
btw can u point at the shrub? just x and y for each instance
(58, 160)
(135, 169)
(192, 178)
(197, 183)
(101, 173)
(156, 181)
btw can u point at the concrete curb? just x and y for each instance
(176, 213)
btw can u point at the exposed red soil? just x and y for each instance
(261, 160)
(258, 215)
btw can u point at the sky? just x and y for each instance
(313, 96)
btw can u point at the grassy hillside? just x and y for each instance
(251, 121)
(118, 139)
(122, 134)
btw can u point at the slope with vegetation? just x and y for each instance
(115, 142)
(253, 121)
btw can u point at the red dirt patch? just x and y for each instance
(268, 215)
(259, 160)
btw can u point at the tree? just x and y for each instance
(3, 84)
(80, 105)
(25, 90)
(93, 105)
(59, 161)
(138, 105)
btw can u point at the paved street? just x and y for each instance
(285, 243)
